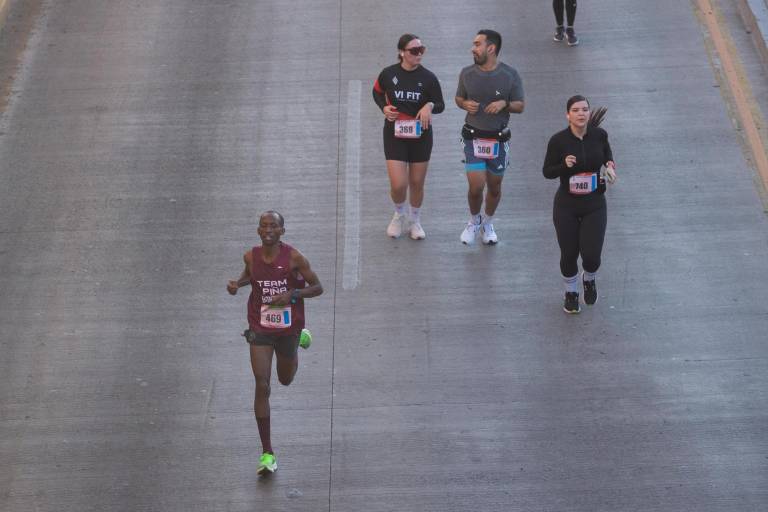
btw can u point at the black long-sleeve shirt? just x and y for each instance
(591, 152)
(409, 91)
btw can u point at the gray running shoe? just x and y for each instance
(570, 35)
(559, 34)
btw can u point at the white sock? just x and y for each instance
(589, 276)
(571, 283)
(415, 214)
(475, 219)
(400, 208)
(488, 219)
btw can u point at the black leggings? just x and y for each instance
(570, 9)
(580, 225)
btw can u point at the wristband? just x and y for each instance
(294, 295)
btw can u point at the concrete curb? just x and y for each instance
(755, 16)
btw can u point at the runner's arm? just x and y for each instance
(554, 162)
(301, 265)
(516, 107)
(435, 95)
(245, 276)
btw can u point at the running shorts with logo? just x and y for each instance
(407, 150)
(484, 155)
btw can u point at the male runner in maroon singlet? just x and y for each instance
(280, 279)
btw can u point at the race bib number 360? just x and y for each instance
(583, 183)
(275, 317)
(407, 128)
(486, 148)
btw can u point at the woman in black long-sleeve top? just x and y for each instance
(408, 94)
(576, 155)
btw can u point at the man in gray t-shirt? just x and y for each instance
(489, 91)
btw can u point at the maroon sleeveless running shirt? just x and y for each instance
(268, 279)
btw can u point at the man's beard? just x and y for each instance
(480, 60)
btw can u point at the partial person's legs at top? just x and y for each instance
(562, 33)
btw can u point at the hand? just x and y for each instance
(471, 106)
(232, 287)
(570, 161)
(281, 299)
(425, 116)
(390, 112)
(495, 107)
(610, 172)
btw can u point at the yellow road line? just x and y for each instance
(746, 117)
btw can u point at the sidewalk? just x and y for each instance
(755, 16)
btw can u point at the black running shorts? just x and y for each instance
(407, 150)
(286, 345)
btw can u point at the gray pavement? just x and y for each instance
(140, 141)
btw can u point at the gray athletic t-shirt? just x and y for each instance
(484, 87)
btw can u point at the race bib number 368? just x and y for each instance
(275, 317)
(486, 148)
(407, 128)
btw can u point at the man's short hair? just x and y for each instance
(280, 219)
(492, 37)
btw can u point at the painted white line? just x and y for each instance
(351, 262)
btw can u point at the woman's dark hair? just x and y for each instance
(403, 42)
(574, 99)
(492, 37)
(596, 115)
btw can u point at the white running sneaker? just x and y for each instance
(395, 228)
(489, 234)
(469, 233)
(417, 232)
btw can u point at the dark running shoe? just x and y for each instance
(570, 36)
(559, 34)
(590, 292)
(571, 304)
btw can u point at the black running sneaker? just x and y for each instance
(590, 292)
(570, 36)
(559, 34)
(571, 304)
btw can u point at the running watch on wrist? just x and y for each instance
(294, 295)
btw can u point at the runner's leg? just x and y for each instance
(261, 364)
(476, 181)
(493, 193)
(557, 5)
(398, 181)
(416, 178)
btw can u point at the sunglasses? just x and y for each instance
(416, 50)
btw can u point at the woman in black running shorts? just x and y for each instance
(576, 156)
(408, 94)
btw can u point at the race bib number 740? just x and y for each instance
(582, 183)
(275, 317)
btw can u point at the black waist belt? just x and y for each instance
(470, 132)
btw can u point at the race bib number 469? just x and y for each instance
(486, 148)
(276, 317)
(407, 128)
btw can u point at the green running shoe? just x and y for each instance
(305, 339)
(267, 464)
